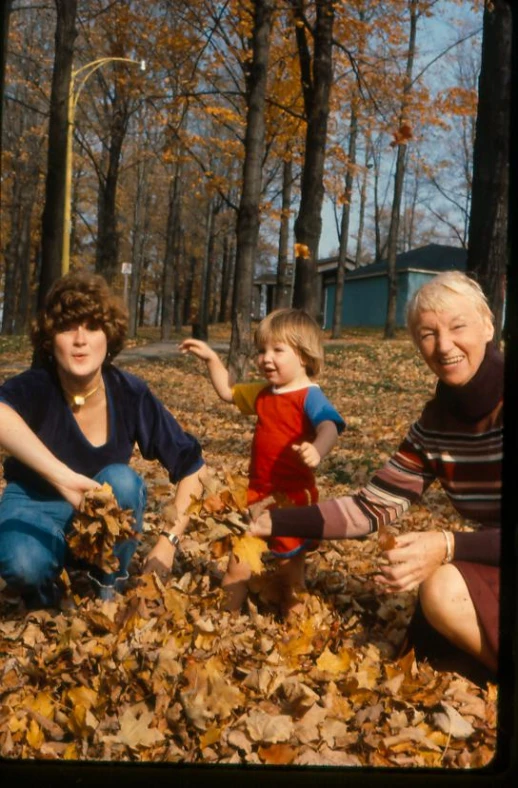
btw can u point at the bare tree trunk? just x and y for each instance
(53, 211)
(140, 230)
(377, 209)
(23, 285)
(344, 226)
(187, 299)
(107, 252)
(284, 277)
(202, 323)
(488, 251)
(142, 293)
(11, 262)
(226, 278)
(316, 85)
(361, 218)
(4, 35)
(169, 270)
(247, 230)
(390, 324)
(179, 285)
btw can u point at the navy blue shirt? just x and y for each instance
(135, 416)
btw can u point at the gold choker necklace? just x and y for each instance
(80, 399)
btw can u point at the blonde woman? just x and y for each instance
(457, 440)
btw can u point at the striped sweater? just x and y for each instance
(457, 446)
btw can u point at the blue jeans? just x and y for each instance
(33, 529)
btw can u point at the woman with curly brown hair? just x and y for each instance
(70, 425)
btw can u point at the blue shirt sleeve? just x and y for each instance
(318, 409)
(160, 437)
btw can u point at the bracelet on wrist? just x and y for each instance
(448, 537)
(172, 538)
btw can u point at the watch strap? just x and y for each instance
(173, 538)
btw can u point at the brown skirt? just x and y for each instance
(483, 583)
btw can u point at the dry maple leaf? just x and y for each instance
(98, 526)
(135, 729)
(334, 663)
(386, 540)
(250, 549)
(269, 728)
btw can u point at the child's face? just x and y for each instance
(281, 365)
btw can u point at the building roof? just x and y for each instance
(432, 258)
(331, 264)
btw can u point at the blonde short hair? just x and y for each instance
(442, 292)
(297, 329)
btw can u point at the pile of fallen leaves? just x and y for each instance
(98, 526)
(164, 674)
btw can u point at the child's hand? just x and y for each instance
(197, 348)
(308, 454)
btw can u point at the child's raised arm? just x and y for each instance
(312, 453)
(218, 373)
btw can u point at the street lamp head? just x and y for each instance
(142, 65)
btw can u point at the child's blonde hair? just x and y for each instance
(442, 292)
(297, 329)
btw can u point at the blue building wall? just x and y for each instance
(365, 300)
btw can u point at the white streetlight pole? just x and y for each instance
(73, 95)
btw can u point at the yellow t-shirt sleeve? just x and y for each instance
(244, 396)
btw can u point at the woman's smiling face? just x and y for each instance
(453, 341)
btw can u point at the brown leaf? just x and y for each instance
(135, 731)
(277, 754)
(98, 526)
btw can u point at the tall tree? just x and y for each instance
(488, 251)
(247, 230)
(316, 73)
(401, 140)
(53, 212)
(171, 254)
(284, 276)
(344, 224)
(4, 32)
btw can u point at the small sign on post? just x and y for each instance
(126, 272)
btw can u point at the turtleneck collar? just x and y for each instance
(479, 395)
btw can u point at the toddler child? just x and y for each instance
(296, 427)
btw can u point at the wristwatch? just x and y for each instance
(173, 538)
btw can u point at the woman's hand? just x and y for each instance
(160, 559)
(415, 557)
(73, 487)
(262, 527)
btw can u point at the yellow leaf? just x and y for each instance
(301, 250)
(41, 703)
(82, 696)
(82, 722)
(334, 663)
(211, 736)
(249, 549)
(35, 737)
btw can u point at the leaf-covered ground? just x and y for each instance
(164, 675)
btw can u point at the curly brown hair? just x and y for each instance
(80, 297)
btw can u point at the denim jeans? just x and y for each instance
(33, 529)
